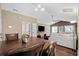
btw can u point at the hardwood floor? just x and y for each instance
(61, 51)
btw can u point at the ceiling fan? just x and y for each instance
(54, 20)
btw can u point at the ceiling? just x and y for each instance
(53, 11)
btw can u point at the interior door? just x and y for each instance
(25, 28)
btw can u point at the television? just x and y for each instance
(41, 28)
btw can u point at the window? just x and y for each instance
(54, 29)
(69, 29)
(61, 29)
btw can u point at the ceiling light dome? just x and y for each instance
(36, 9)
(42, 9)
(39, 6)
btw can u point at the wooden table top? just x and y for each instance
(7, 48)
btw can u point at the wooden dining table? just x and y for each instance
(7, 48)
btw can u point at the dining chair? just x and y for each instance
(52, 49)
(46, 48)
(38, 36)
(49, 49)
(46, 37)
(10, 37)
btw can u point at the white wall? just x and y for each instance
(15, 20)
(0, 19)
(0, 25)
(78, 33)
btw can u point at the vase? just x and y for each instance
(25, 40)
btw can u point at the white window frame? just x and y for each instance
(54, 29)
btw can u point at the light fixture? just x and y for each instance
(10, 27)
(36, 9)
(72, 21)
(42, 9)
(39, 6)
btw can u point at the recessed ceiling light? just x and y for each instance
(39, 6)
(42, 9)
(36, 9)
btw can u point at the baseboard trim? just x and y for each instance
(67, 48)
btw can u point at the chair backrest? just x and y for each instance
(11, 37)
(38, 36)
(46, 46)
(33, 51)
(49, 48)
(52, 49)
(45, 37)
